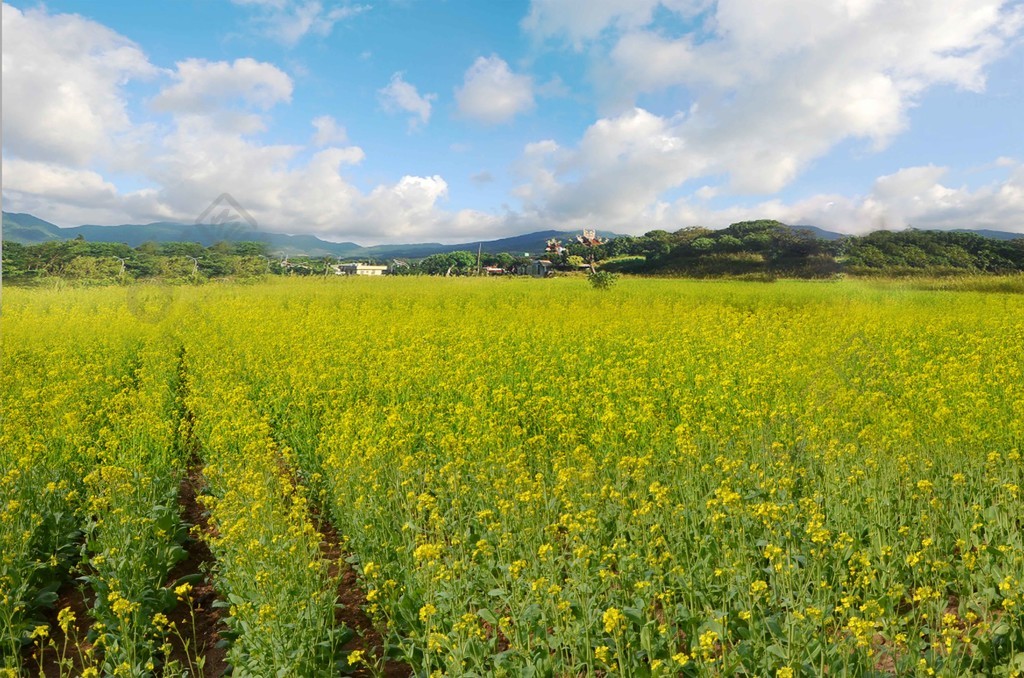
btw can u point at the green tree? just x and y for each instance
(250, 248)
(728, 243)
(459, 262)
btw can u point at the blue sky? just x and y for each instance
(416, 120)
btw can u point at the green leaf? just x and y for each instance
(634, 614)
(194, 578)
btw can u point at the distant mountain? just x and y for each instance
(529, 243)
(27, 229)
(819, 232)
(998, 235)
(984, 232)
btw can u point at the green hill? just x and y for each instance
(29, 230)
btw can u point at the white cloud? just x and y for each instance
(230, 96)
(620, 167)
(491, 93)
(918, 197)
(763, 89)
(348, 155)
(749, 109)
(540, 148)
(537, 167)
(203, 86)
(68, 196)
(615, 177)
(583, 20)
(289, 21)
(706, 192)
(196, 163)
(402, 96)
(63, 79)
(210, 147)
(328, 131)
(61, 183)
(912, 197)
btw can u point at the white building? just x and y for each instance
(360, 269)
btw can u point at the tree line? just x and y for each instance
(767, 247)
(182, 262)
(104, 262)
(749, 248)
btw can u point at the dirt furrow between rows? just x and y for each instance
(352, 603)
(196, 643)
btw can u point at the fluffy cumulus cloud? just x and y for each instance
(226, 95)
(66, 186)
(761, 91)
(202, 86)
(65, 195)
(72, 129)
(623, 164)
(765, 89)
(399, 95)
(67, 75)
(918, 197)
(491, 93)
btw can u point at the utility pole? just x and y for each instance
(479, 251)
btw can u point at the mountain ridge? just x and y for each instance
(28, 229)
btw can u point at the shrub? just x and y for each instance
(602, 280)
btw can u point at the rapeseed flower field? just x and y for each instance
(530, 478)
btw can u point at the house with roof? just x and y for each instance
(359, 269)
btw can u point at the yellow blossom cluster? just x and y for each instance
(713, 478)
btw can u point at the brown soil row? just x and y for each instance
(199, 628)
(351, 600)
(352, 603)
(73, 646)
